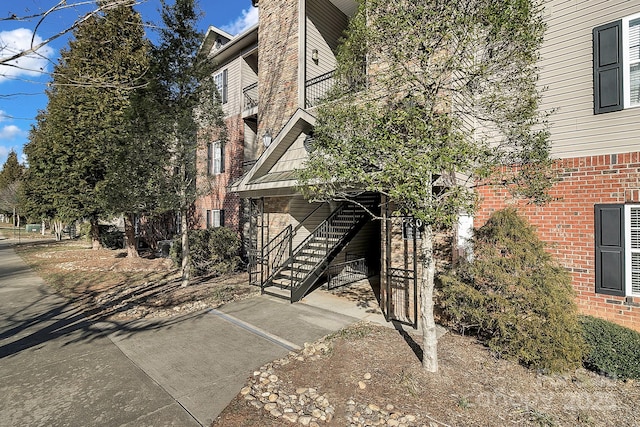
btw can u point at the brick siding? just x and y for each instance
(567, 223)
(217, 196)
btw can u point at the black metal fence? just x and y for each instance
(347, 272)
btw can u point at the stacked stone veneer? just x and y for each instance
(277, 64)
(567, 223)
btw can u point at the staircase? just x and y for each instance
(309, 260)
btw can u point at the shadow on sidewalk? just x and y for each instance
(47, 316)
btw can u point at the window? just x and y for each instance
(215, 158)
(220, 79)
(617, 233)
(215, 218)
(616, 65)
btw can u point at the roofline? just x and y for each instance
(205, 47)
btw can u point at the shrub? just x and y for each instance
(514, 297)
(613, 350)
(214, 251)
(110, 236)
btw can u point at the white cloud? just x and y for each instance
(248, 19)
(19, 40)
(11, 132)
(3, 116)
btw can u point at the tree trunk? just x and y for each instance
(42, 228)
(186, 253)
(14, 217)
(427, 322)
(130, 236)
(95, 234)
(57, 229)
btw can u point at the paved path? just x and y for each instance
(56, 368)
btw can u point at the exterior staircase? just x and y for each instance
(306, 264)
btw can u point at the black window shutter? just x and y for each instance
(221, 217)
(607, 68)
(609, 233)
(209, 157)
(222, 148)
(224, 86)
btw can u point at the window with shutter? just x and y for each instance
(616, 65)
(609, 245)
(632, 249)
(631, 58)
(220, 79)
(215, 158)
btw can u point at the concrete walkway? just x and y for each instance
(56, 368)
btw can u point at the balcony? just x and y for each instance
(250, 100)
(317, 87)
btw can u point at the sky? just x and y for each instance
(22, 87)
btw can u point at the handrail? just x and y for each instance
(323, 231)
(281, 242)
(250, 96)
(287, 228)
(295, 230)
(322, 225)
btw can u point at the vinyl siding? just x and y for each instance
(293, 158)
(566, 69)
(325, 25)
(234, 87)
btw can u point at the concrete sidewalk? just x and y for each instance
(58, 369)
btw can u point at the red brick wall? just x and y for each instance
(567, 223)
(217, 196)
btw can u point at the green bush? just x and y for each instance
(110, 236)
(214, 251)
(514, 297)
(613, 350)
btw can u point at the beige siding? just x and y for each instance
(293, 158)
(234, 87)
(325, 25)
(251, 142)
(567, 72)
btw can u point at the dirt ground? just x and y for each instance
(110, 286)
(365, 367)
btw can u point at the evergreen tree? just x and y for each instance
(188, 112)
(85, 123)
(11, 177)
(450, 96)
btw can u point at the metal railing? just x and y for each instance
(347, 272)
(317, 88)
(277, 252)
(250, 96)
(325, 237)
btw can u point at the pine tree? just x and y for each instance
(85, 123)
(11, 177)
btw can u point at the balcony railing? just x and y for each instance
(317, 87)
(250, 96)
